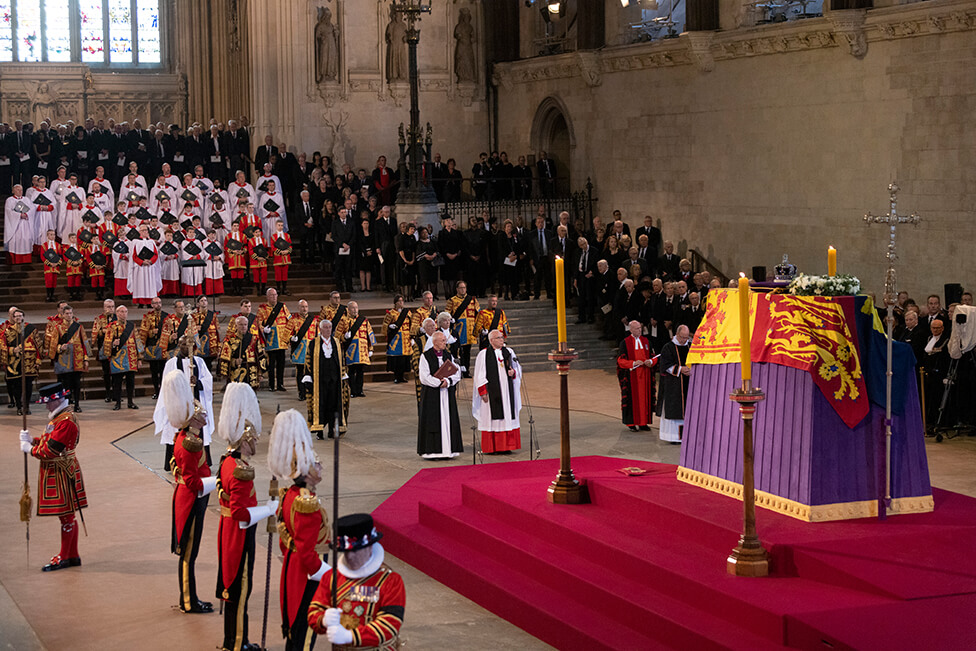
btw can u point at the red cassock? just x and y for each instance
(303, 529)
(372, 607)
(61, 490)
(190, 467)
(636, 384)
(236, 496)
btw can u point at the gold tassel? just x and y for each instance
(26, 504)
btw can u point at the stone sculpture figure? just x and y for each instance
(396, 48)
(326, 47)
(464, 47)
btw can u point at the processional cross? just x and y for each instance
(892, 218)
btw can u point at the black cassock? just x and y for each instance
(673, 389)
(429, 436)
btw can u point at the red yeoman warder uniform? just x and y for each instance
(193, 487)
(239, 511)
(60, 488)
(371, 599)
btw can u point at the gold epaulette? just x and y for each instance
(192, 443)
(306, 502)
(243, 472)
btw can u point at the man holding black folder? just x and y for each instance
(273, 317)
(439, 428)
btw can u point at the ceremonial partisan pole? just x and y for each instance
(890, 297)
(272, 527)
(26, 503)
(335, 503)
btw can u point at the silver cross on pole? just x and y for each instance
(892, 219)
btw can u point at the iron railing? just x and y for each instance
(580, 205)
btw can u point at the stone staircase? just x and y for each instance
(533, 335)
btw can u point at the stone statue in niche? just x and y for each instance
(464, 47)
(43, 101)
(396, 48)
(326, 47)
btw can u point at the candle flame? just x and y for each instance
(831, 248)
(742, 274)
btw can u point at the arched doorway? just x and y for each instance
(552, 132)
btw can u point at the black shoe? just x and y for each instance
(281, 388)
(199, 607)
(632, 428)
(133, 405)
(58, 563)
(320, 436)
(77, 409)
(10, 405)
(645, 428)
(155, 395)
(20, 412)
(117, 406)
(107, 399)
(301, 398)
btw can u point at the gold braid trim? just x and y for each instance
(192, 444)
(243, 472)
(306, 502)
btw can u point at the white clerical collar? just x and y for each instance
(637, 343)
(674, 340)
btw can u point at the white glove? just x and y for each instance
(332, 616)
(348, 335)
(25, 447)
(370, 354)
(392, 326)
(209, 484)
(25, 436)
(258, 513)
(294, 338)
(307, 379)
(483, 331)
(323, 568)
(267, 330)
(339, 635)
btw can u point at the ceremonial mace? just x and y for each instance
(890, 297)
(272, 527)
(26, 503)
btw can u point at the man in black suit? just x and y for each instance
(159, 153)
(264, 153)
(647, 253)
(546, 169)
(562, 245)
(653, 234)
(137, 144)
(667, 265)
(585, 280)
(627, 307)
(692, 313)
(914, 335)
(502, 173)
(386, 229)
(343, 238)
(438, 174)
(215, 154)
(6, 160)
(306, 227)
(523, 180)
(480, 176)
(194, 148)
(604, 290)
(237, 148)
(538, 240)
(176, 150)
(935, 312)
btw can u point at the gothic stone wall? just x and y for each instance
(785, 144)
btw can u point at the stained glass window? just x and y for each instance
(92, 31)
(6, 33)
(28, 30)
(57, 30)
(148, 24)
(98, 32)
(120, 31)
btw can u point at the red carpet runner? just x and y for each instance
(643, 566)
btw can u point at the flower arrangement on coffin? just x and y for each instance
(839, 285)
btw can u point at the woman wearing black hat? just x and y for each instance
(370, 596)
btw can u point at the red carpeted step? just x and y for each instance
(633, 601)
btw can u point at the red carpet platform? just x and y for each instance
(643, 566)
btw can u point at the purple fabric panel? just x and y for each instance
(798, 436)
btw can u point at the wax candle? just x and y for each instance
(560, 301)
(831, 261)
(745, 327)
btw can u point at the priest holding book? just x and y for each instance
(439, 429)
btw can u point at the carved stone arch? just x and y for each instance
(552, 132)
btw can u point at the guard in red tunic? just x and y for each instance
(635, 362)
(60, 489)
(370, 595)
(193, 484)
(240, 426)
(303, 525)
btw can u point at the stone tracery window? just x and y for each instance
(98, 32)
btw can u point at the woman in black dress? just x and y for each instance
(427, 257)
(509, 250)
(368, 249)
(42, 154)
(406, 246)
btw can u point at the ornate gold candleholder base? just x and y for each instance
(749, 558)
(566, 489)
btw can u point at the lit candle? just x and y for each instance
(560, 301)
(831, 261)
(745, 329)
